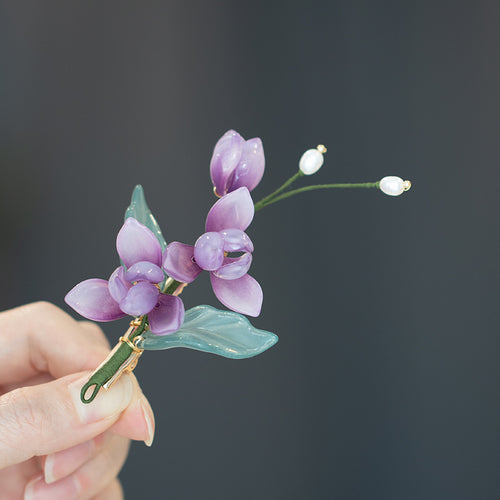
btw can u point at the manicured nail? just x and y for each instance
(108, 402)
(65, 462)
(37, 489)
(149, 418)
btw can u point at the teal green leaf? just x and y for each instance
(210, 330)
(139, 210)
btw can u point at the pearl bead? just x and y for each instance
(392, 185)
(311, 161)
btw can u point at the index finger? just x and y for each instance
(40, 337)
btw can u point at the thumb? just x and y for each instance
(46, 418)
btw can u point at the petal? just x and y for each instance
(234, 268)
(140, 299)
(118, 285)
(209, 251)
(243, 295)
(167, 316)
(235, 210)
(251, 167)
(91, 299)
(235, 240)
(179, 264)
(144, 271)
(225, 159)
(136, 243)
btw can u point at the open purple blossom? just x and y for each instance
(236, 163)
(133, 288)
(225, 226)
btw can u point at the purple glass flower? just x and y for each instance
(236, 163)
(224, 227)
(132, 289)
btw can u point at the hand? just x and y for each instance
(52, 446)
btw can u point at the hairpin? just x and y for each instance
(152, 275)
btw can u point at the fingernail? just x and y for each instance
(149, 418)
(37, 489)
(63, 463)
(108, 402)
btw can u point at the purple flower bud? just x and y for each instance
(236, 163)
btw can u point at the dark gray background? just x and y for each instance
(385, 381)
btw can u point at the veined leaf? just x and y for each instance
(207, 329)
(139, 210)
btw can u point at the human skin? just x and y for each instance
(51, 444)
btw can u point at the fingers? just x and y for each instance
(40, 337)
(63, 463)
(112, 492)
(93, 476)
(95, 332)
(50, 417)
(137, 421)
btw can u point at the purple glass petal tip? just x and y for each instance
(178, 262)
(233, 211)
(140, 299)
(144, 271)
(209, 251)
(91, 299)
(236, 163)
(167, 316)
(243, 295)
(136, 243)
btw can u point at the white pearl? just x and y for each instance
(392, 185)
(311, 161)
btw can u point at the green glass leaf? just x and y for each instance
(139, 210)
(207, 329)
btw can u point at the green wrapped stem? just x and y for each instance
(270, 200)
(265, 200)
(118, 357)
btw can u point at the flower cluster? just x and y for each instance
(225, 226)
(135, 287)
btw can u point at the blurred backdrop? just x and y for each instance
(385, 381)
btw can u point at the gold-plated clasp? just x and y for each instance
(130, 363)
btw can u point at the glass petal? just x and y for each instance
(225, 159)
(209, 251)
(140, 299)
(218, 332)
(235, 240)
(179, 264)
(144, 271)
(167, 316)
(139, 210)
(136, 243)
(118, 285)
(233, 211)
(234, 268)
(91, 299)
(251, 167)
(243, 295)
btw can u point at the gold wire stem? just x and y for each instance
(180, 289)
